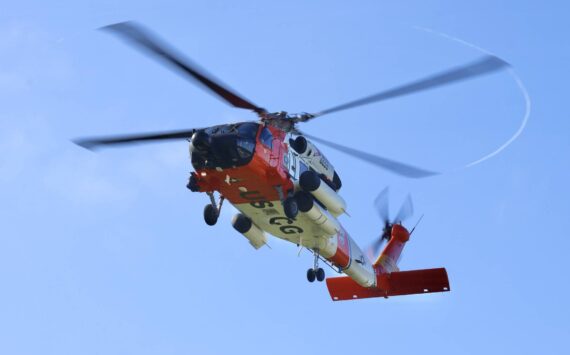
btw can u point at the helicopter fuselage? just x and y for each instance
(286, 187)
(257, 180)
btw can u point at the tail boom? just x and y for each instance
(390, 281)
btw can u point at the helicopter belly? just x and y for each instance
(340, 249)
(269, 216)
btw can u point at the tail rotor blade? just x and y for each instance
(382, 204)
(406, 211)
(373, 249)
(378, 246)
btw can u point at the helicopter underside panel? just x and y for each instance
(270, 217)
(340, 249)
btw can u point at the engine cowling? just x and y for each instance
(316, 160)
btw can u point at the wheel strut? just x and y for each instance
(316, 262)
(288, 202)
(316, 272)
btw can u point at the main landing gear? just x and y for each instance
(316, 272)
(212, 210)
(289, 202)
(290, 207)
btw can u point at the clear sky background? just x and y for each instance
(107, 253)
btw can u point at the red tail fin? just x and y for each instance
(388, 259)
(394, 284)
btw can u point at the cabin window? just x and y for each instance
(302, 168)
(266, 137)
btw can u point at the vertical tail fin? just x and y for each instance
(388, 259)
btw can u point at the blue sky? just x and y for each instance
(108, 253)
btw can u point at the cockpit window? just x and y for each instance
(245, 147)
(230, 145)
(246, 138)
(266, 137)
(248, 130)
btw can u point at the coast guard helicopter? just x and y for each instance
(283, 185)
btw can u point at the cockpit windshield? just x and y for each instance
(229, 146)
(246, 139)
(248, 130)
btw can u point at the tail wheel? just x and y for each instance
(210, 214)
(311, 275)
(320, 274)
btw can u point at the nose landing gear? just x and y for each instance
(211, 214)
(316, 272)
(212, 210)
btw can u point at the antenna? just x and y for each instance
(418, 222)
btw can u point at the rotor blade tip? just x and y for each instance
(85, 144)
(117, 25)
(424, 174)
(497, 61)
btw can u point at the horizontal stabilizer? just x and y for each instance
(393, 284)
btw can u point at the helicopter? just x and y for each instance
(283, 185)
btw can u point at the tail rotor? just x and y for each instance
(382, 205)
(406, 211)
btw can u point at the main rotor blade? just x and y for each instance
(484, 65)
(137, 35)
(406, 211)
(96, 142)
(388, 164)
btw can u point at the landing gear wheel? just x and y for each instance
(320, 274)
(210, 214)
(290, 207)
(311, 275)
